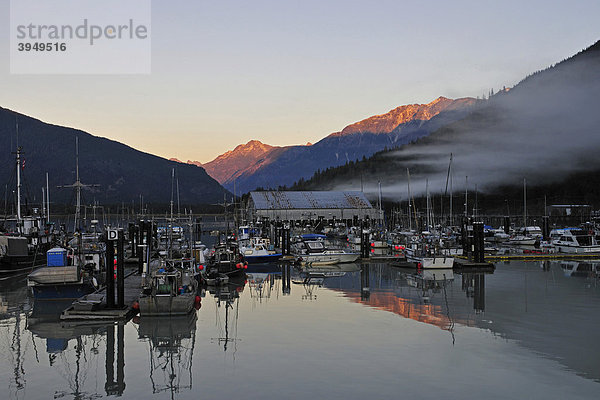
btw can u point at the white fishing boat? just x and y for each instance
(520, 239)
(314, 252)
(575, 241)
(496, 235)
(424, 257)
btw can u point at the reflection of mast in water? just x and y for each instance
(168, 351)
(226, 339)
(75, 372)
(15, 347)
(261, 286)
(227, 295)
(14, 304)
(310, 282)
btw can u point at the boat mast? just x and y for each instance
(78, 185)
(18, 186)
(475, 207)
(47, 200)
(428, 207)
(466, 196)
(380, 211)
(524, 202)
(171, 219)
(408, 182)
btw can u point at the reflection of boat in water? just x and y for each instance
(13, 305)
(227, 298)
(581, 268)
(327, 271)
(44, 324)
(429, 279)
(262, 279)
(172, 340)
(312, 277)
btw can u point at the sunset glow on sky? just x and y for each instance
(291, 72)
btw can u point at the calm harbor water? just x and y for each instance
(527, 330)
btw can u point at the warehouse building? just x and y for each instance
(309, 206)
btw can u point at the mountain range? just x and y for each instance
(543, 132)
(256, 164)
(122, 174)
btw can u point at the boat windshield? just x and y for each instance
(315, 246)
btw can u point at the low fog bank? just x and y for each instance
(545, 129)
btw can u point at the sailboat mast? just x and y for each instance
(171, 219)
(524, 202)
(451, 189)
(178, 203)
(466, 196)
(18, 188)
(380, 210)
(408, 182)
(77, 185)
(428, 207)
(475, 207)
(47, 200)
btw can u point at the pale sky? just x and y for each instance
(289, 72)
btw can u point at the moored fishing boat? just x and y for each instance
(575, 241)
(224, 263)
(58, 280)
(256, 251)
(168, 291)
(424, 256)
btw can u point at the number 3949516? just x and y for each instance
(42, 46)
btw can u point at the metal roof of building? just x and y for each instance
(275, 200)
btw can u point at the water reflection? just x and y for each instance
(171, 342)
(473, 284)
(313, 277)
(263, 281)
(227, 311)
(417, 295)
(14, 304)
(73, 351)
(544, 312)
(583, 269)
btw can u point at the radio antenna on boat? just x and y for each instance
(77, 186)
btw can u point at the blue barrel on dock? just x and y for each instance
(56, 257)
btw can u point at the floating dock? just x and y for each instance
(465, 264)
(542, 257)
(92, 307)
